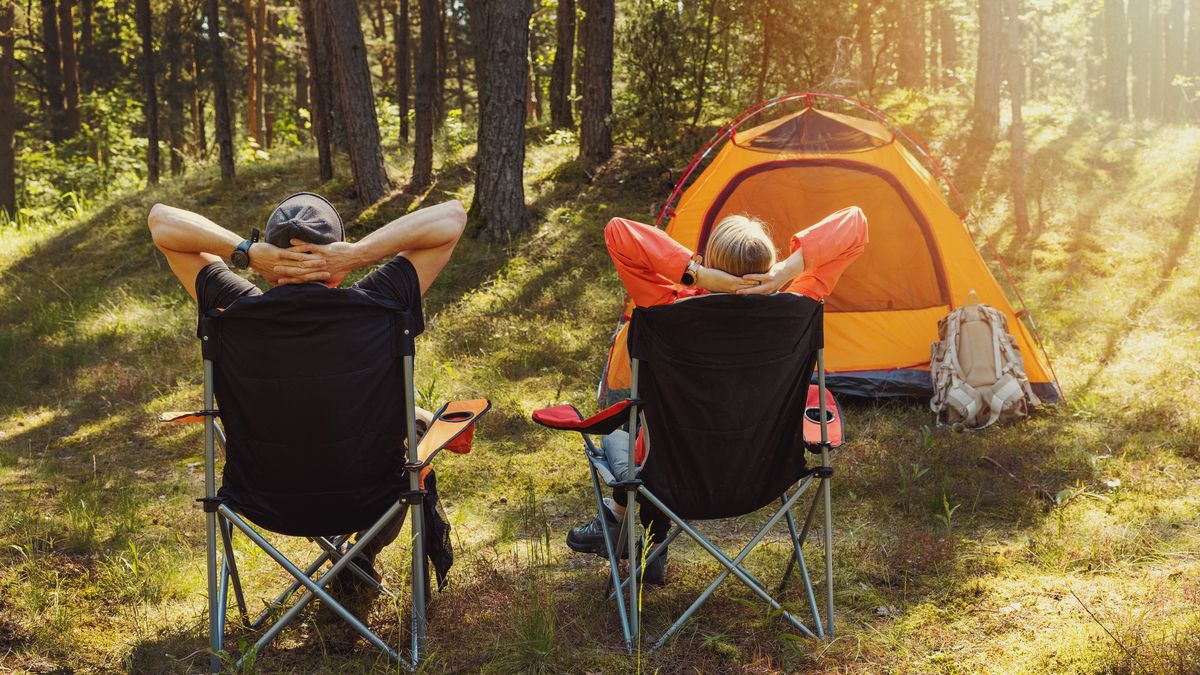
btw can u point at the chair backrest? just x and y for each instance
(311, 386)
(724, 382)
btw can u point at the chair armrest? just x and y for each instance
(568, 418)
(176, 417)
(453, 428)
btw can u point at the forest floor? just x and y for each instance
(1068, 543)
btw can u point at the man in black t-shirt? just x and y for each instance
(304, 243)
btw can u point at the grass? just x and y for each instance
(1065, 544)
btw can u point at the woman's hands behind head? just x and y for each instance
(717, 281)
(776, 278)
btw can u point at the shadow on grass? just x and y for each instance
(1185, 229)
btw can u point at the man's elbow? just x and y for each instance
(154, 221)
(456, 218)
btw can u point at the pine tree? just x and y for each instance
(500, 29)
(595, 134)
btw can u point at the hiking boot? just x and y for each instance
(655, 573)
(590, 538)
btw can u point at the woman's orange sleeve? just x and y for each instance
(829, 248)
(649, 262)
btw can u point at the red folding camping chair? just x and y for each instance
(723, 384)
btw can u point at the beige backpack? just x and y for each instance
(978, 374)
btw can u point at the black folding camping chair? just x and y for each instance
(315, 387)
(721, 384)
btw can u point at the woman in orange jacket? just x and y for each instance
(739, 258)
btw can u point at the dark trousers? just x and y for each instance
(392, 529)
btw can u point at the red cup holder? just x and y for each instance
(460, 416)
(814, 415)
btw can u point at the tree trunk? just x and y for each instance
(702, 71)
(1176, 104)
(1116, 59)
(560, 70)
(320, 89)
(533, 83)
(400, 34)
(52, 71)
(1193, 38)
(439, 91)
(301, 84)
(260, 38)
(911, 71)
(173, 53)
(948, 38)
(985, 112)
(8, 109)
(324, 30)
(198, 101)
(862, 36)
(270, 57)
(379, 26)
(1139, 57)
(220, 91)
(70, 62)
(353, 76)
(1158, 62)
(145, 24)
(595, 134)
(86, 11)
(764, 55)
(1016, 132)
(424, 104)
(933, 69)
(501, 32)
(251, 69)
(463, 53)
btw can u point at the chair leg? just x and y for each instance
(614, 579)
(232, 571)
(828, 555)
(335, 553)
(315, 588)
(799, 558)
(287, 592)
(733, 566)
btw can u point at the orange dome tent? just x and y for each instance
(921, 263)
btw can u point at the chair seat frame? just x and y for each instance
(625, 589)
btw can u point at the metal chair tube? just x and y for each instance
(631, 502)
(828, 499)
(215, 634)
(418, 543)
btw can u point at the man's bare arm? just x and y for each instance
(425, 237)
(190, 242)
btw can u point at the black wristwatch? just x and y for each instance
(691, 274)
(241, 255)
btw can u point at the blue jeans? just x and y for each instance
(615, 447)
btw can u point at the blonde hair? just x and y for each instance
(740, 245)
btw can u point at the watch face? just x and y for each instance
(239, 258)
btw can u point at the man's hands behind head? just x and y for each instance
(281, 266)
(326, 263)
